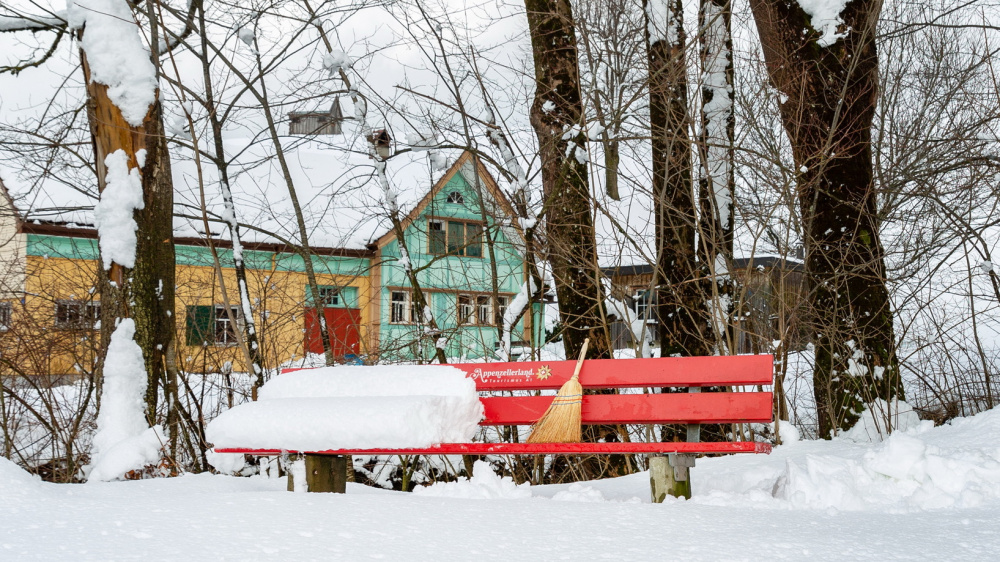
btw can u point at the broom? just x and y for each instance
(561, 422)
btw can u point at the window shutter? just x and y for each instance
(199, 323)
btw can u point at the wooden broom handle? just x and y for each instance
(579, 362)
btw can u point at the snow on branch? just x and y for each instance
(30, 23)
(116, 54)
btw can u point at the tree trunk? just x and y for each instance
(717, 155)
(680, 304)
(829, 87)
(146, 292)
(557, 117)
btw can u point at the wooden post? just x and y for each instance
(661, 478)
(326, 473)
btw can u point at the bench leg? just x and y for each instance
(670, 475)
(326, 473)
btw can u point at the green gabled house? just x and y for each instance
(465, 243)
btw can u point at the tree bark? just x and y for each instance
(557, 117)
(829, 95)
(680, 307)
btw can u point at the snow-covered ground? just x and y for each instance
(929, 493)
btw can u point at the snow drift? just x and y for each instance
(952, 466)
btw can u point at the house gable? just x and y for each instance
(447, 270)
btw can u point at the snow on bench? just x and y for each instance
(354, 408)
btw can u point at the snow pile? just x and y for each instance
(924, 468)
(226, 463)
(904, 472)
(484, 485)
(825, 17)
(116, 54)
(15, 481)
(124, 441)
(871, 427)
(786, 431)
(354, 408)
(113, 214)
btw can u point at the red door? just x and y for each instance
(343, 326)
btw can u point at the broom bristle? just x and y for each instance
(561, 421)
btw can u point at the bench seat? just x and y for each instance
(534, 449)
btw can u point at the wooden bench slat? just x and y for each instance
(531, 449)
(624, 373)
(709, 407)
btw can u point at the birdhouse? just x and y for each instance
(382, 143)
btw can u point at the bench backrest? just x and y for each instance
(635, 376)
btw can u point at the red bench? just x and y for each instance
(639, 407)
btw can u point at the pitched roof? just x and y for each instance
(466, 160)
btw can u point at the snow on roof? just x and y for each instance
(336, 189)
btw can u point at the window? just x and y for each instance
(210, 325)
(479, 310)
(456, 197)
(641, 304)
(77, 315)
(484, 310)
(438, 237)
(466, 310)
(502, 304)
(5, 313)
(225, 331)
(329, 296)
(401, 310)
(455, 238)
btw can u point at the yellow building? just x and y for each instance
(49, 307)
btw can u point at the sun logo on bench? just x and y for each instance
(543, 372)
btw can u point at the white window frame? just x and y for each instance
(88, 314)
(503, 303)
(484, 310)
(466, 311)
(400, 312)
(223, 332)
